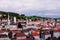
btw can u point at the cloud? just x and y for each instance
(21, 6)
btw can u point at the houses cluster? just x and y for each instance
(39, 28)
(29, 23)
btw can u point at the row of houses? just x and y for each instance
(44, 23)
(29, 22)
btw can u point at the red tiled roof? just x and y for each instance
(26, 39)
(25, 30)
(15, 31)
(38, 25)
(35, 33)
(45, 27)
(21, 39)
(56, 28)
(29, 39)
(36, 30)
(58, 21)
(13, 23)
(3, 31)
(20, 34)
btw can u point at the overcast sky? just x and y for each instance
(32, 7)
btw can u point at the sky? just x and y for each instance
(47, 8)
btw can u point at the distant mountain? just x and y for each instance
(44, 13)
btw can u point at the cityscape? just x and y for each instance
(29, 20)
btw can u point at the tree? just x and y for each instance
(11, 14)
(22, 14)
(19, 25)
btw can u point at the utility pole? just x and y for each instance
(40, 32)
(55, 22)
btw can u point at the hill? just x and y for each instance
(11, 14)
